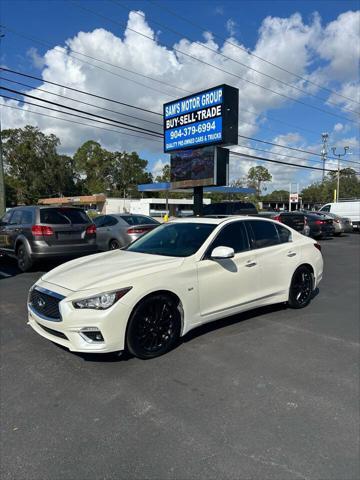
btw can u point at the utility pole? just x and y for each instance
(338, 155)
(324, 150)
(2, 179)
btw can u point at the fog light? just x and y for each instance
(91, 334)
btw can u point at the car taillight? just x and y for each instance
(136, 230)
(42, 231)
(318, 246)
(91, 229)
(277, 218)
(319, 222)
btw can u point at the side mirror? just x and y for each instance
(222, 252)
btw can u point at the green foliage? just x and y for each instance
(32, 166)
(280, 195)
(323, 192)
(257, 176)
(165, 174)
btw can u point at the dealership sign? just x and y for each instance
(206, 118)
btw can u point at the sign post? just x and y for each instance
(193, 127)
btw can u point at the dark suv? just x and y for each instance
(32, 233)
(230, 208)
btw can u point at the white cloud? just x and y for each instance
(38, 60)
(231, 27)
(158, 167)
(338, 127)
(288, 42)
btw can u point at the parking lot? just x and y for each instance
(270, 394)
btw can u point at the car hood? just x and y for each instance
(106, 268)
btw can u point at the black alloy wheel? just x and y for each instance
(23, 259)
(301, 288)
(154, 327)
(114, 245)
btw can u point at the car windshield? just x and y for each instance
(173, 239)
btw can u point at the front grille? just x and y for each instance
(53, 332)
(45, 304)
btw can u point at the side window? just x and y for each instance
(5, 219)
(99, 221)
(109, 221)
(16, 218)
(326, 208)
(284, 234)
(264, 233)
(27, 217)
(232, 235)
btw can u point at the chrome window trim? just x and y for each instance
(49, 292)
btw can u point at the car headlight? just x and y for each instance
(102, 301)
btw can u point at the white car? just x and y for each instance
(178, 276)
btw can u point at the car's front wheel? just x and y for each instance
(24, 260)
(114, 245)
(154, 326)
(301, 288)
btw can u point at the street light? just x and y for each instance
(338, 169)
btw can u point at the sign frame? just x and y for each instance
(229, 118)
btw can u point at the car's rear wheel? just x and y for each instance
(301, 288)
(114, 244)
(24, 260)
(154, 326)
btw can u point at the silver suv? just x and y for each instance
(36, 232)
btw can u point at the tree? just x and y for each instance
(323, 192)
(165, 174)
(95, 166)
(33, 167)
(256, 176)
(277, 195)
(128, 171)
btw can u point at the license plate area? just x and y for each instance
(66, 236)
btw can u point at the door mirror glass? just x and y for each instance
(222, 253)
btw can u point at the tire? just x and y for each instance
(154, 327)
(301, 288)
(337, 234)
(24, 260)
(114, 244)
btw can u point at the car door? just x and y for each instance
(277, 255)
(105, 231)
(228, 283)
(4, 225)
(13, 229)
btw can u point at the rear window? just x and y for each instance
(63, 216)
(139, 220)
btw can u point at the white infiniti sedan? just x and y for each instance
(182, 274)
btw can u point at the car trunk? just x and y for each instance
(68, 226)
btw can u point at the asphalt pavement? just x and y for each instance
(270, 394)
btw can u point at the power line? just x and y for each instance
(80, 123)
(69, 50)
(149, 111)
(277, 161)
(79, 91)
(134, 127)
(146, 138)
(225, 71)
(79, 101)
(289, 148)
(72, 114)
(234, 60)
(253, 54)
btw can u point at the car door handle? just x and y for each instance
(291, 254)
(250, 263)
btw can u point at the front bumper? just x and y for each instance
(68, 330)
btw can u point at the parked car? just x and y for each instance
(118, 230)
(341, 224)
(178, 276)
(308, 223)
(229, 208)
(346, 209)
(36, 232)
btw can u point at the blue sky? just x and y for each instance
(309, 38)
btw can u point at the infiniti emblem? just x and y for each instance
(40, 303)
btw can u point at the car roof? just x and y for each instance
(217, 221)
